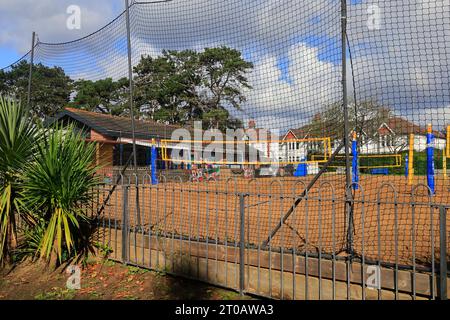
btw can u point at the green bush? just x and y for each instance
(18, 137)
(58, 184)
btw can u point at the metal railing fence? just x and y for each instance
(218, 232)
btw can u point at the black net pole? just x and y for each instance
(33, 39)
(303, 195)
(133, 128)
(348, 195)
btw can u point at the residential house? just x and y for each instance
(392, 136)
(264, 141)
(113, 135)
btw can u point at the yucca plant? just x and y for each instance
(30, 237)
(17, 140)
(57, 186)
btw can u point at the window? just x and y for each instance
(391, 141)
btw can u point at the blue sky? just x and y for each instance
(48, 18)
(8, 55)
(294, 44)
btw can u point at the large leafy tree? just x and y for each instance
(223, 74)
(365, 117)
(104, 95)
(51, 87)
(183, 86)
(166, 86)
(3, 82)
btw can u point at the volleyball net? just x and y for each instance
(244, 152)
(372, 161)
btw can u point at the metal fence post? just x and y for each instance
(125, 227)
(443, 252)
(242, 243)
(348, 195)
(33, 40)
(133, 126)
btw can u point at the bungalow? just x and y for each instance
(114, 136)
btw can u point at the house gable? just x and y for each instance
(289, 135)
(384, 130)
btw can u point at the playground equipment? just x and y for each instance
(204, 173)
(430, 159)
(217, 151)
(446, 154)
(302, 170)
(154, 156)
(355, 173)
(410, 167)
(392, 160)
(248, 171)
(430, 172)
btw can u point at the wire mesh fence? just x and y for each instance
(202, 230)
(346, 102)
(292, 59)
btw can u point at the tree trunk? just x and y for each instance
(11, 240)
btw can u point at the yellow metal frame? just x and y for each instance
(447, 153)
(398, 160)
(166, 142)
(444, 164)
(411, 159)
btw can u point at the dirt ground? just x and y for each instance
(103, 280)
(386, 224)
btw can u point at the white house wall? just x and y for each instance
(267, 150)
(290, 152)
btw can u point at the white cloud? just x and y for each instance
(403, 65)
(48, 19)
(116, 66)
(312, 85)
(439, 117)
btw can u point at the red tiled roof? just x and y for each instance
(116, 126)
(401, 126)
(398, 125)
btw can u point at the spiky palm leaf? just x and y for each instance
(58, 184)
(17, 141)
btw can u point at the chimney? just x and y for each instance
(252, 124)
